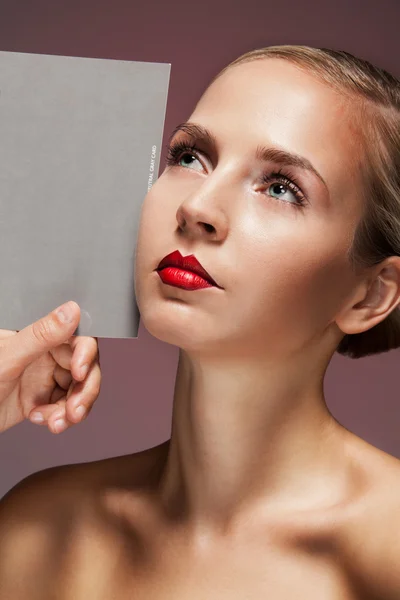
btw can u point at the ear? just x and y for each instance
(374, 299)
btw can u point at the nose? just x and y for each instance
(199, 216)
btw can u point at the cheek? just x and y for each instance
(150, 218)
(153, 228)
(301, 285)
(154, 238)
(158, 219)
(146, 252)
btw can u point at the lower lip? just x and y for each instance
(183, 279)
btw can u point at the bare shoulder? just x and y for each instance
(372, 525)
(42, 515)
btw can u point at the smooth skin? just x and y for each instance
(260, 492)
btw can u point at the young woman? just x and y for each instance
(270, 241)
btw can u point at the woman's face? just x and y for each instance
(271, 230)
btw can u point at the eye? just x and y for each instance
(188, 159)
(282, 187)
(183, 154)
(280, 190)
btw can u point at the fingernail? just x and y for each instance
(83, 370)
(37, 417)
(59, 425)
(80, 411)
(65, 312)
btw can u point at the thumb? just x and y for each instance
(42, 335)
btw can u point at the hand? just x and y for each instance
(41, 372)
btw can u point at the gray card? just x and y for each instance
(79, 148)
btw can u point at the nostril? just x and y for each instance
(209, 227)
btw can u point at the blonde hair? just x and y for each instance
(377, 235)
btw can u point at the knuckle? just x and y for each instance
(96, 391)
(72, 417)
(43, 330)
(92, 348)
(60, 411)
(96, 347)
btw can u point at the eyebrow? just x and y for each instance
(265, 153)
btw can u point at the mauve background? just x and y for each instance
(134, 408)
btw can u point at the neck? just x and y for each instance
(248, 435)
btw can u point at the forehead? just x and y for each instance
(275, 98)
(274, 102)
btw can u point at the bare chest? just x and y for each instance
(167, 572)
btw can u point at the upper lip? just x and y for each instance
(188, 263)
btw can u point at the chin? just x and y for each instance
(174, 325)
(165, 327)
(175, 320)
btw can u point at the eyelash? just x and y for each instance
(178, 149)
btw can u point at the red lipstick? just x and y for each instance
(184, 272)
